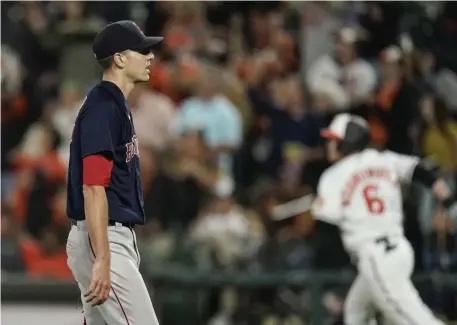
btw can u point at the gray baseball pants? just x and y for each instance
(129, 302)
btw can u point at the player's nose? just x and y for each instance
(150, 56)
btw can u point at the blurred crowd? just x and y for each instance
(228, 127)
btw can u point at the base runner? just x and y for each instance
(361, 193)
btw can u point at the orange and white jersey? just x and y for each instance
(362, 195)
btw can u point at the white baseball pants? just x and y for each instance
(384, 283)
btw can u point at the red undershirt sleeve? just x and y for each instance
(97, 170)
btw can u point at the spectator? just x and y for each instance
(441, 244)
(215, 116)
(393, 110)
(389, 84)
(186, 173)
(320, 23)
(381, 21)
(11, 253)
(446, 87)
(287, 231)
(184, 31)
(78, 26)
(46, 257)
(40, 140)
(264, 197)
(292, 128)
(350, 78)
(157, 238)
(438, 136)
(302, 144)
(429, 74)
(155, 185)
(64, 116)
(224, 234)
(440, 253)
(160, 79)
(14, 107)
(223, 228)
(153, 114)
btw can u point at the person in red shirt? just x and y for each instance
(46, 257)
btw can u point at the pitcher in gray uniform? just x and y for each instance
(104, 197)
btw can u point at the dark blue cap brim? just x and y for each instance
(150, 42)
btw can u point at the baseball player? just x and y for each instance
(361, 193)
(104, 199)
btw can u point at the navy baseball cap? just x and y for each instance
(121, 36)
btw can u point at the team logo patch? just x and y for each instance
(132, 149)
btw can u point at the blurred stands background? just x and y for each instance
(229, 127)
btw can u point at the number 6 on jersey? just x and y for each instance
(374, 203)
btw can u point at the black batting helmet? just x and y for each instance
(352, 133)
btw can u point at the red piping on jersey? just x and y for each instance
(114, 291)
(97, 170)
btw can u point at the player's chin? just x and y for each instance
(143, 77)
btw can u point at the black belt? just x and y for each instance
(385, 241)
(130, 225)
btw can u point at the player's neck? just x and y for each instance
(124, 85)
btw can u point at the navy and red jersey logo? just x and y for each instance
(132, 149)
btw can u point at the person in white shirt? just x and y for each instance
(224, 225)
(64, 115)
(345, 78)
(361, 194)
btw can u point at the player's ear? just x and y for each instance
(120, 60)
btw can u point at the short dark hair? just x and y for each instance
(107, 62)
